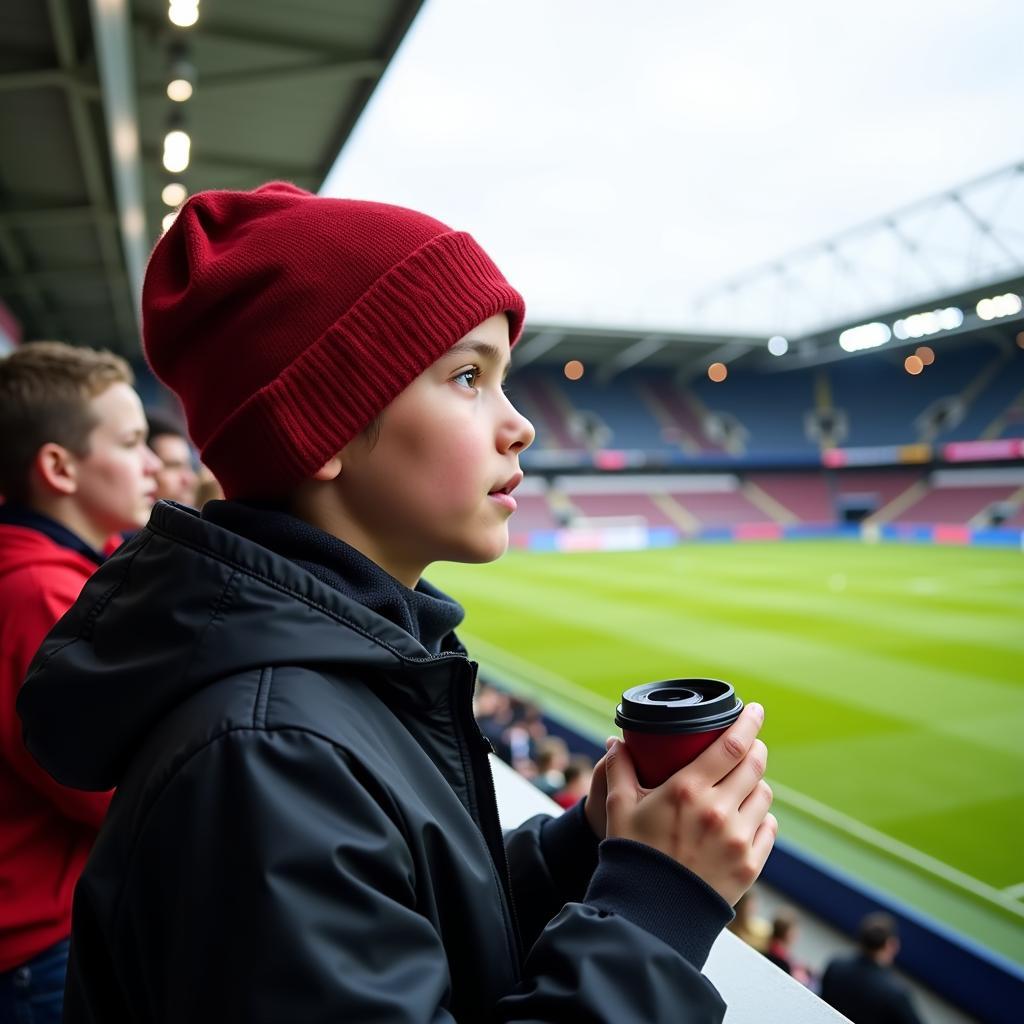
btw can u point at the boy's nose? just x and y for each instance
(520, 433)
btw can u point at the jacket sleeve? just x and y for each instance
(41, 606)
(551, 861)
(632, 950)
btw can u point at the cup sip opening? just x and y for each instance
(671, 695)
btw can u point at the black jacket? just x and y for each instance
(305, 825)
(867, 992)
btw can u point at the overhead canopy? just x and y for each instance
(278, 89)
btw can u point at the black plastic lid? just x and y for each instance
(679, 705)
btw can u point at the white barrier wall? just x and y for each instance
(756, 991)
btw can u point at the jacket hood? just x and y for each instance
(184, 604)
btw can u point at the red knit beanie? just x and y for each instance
(285, 322)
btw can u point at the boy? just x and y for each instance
(74, 469)
(305, 827)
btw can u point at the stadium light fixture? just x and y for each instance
(177, 147)
(174, 194)
(183, 13)
(717, 372)
(926, 355)
(169, 219)
(181, 71)
(778, 345)
(921, 325)
(913, 365)
(179, 90)
(573, 369)
(999, 306)
(864, 336)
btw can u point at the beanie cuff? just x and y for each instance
(403, 323)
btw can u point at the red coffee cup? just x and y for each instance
(665, 725)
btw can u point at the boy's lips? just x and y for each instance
(503, 494)
(509, 485)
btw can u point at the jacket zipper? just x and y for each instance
(482, 782)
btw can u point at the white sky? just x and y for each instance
(615, 158)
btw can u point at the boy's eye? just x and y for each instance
(469, 377)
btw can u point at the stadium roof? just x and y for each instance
(688, 354)
(278, 88)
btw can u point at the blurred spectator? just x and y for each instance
(552, 758)
(753, 930)
(74, 470)
(494, 716)
(577, 781)
(864, 987)
(176, 479)
(780, 946)
(209, 489)
(523, 733)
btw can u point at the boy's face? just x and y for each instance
(428, 489)
(116, 481)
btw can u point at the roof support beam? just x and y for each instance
(339, 70)
(55, 217)
(631, 356)
(22, 282)
(210, 28)
(527, 351)
(722, 354)
(92, 170)
(48, 78)
(229, 161)
(111, 31)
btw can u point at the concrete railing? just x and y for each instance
(754, 989)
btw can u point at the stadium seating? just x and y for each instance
(622, 505)
(952, 504)
(881, 404)
(720, 508)
(806, 495)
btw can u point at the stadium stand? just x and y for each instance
(970, 392)
(964, 496)
(622, 410)
(806, 496)
(540, 398)
(863, 492)
(680, 414)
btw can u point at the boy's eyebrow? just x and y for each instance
(481, 348)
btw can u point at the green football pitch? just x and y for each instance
(892, 676)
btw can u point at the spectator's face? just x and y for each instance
(427, 489)
(176, 479)
(116, 482)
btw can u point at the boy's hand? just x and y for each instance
(595, 808)
(711, 816)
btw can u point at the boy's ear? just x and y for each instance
(57, 468)
(329, 470)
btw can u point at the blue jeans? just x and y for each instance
(34, 992)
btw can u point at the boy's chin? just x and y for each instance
(487, 551)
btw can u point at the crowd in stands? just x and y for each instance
(862, 986)
(518, 735)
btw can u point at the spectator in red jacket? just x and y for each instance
(578, 774)
(74, 470)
